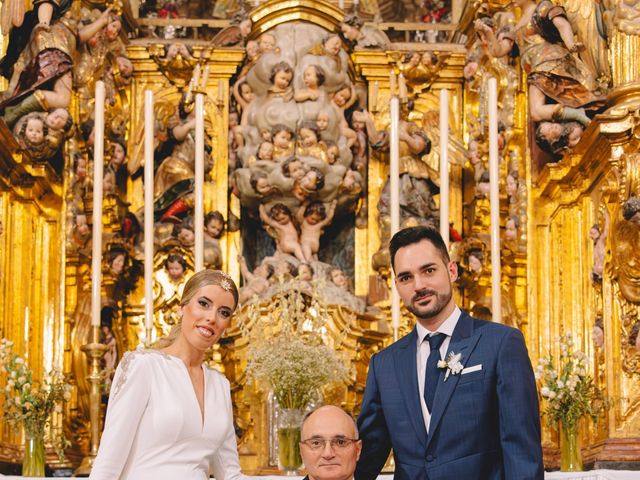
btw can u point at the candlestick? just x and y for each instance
(98, 168)
(199, 185)
(494, 198)
(444, 165)
(148, 211)
(94, 349)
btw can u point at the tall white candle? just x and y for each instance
(341, 4)
(444, 165)
(98, 167)
(392, 82)
(196, 76)
(373, 104)
(205, 78)
(148, 208)
(495, 201)
(198, 223)
(394, 189)
(220, 92)
(402, 88)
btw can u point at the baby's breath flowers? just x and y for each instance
(296, 368)
(30, 402)
(566, 386)
(289, 353)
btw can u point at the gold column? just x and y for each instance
(31, 256)
(569, 197)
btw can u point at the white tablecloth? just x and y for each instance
(595, 475)
(592, 475)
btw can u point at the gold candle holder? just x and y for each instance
(94, 351)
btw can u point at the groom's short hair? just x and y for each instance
(411, 235)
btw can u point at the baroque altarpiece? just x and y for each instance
(297, 133)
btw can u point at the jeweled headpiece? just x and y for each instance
(226, 282)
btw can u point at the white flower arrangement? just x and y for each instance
(30, 402)
(567, 389)
(452, 364)
(289, 352)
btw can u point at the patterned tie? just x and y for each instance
(431, 373)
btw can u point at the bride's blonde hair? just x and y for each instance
(201, 279)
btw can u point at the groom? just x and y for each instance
(456, 398)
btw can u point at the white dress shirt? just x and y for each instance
(423, 351)
(154, 427)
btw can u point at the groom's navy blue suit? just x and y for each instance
(485, 424)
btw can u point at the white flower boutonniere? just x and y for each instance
(452, 364)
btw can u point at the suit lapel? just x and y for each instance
(463, 341)
(406, 370)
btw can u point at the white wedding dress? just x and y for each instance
(154, 428)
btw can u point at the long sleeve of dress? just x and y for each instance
(128, 399)
(225, 463)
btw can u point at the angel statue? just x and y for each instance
(418, 180)
(39, 59)
(561, 87)
(174, 159)
(363, 36)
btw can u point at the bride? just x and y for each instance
(169, 415)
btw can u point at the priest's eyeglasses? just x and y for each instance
(337, 443)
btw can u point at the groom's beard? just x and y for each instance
(437, 303)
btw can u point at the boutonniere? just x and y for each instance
(452, 364)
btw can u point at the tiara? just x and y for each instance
(226, 282)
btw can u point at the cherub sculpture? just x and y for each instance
(284, 229)
(313, 77)
(213, 230)
(176, 267)
(280, 78)
(599, 238)
(256, 282)
(313, 218)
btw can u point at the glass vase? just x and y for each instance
(570, 454)
(289, 459)
(33, 462)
